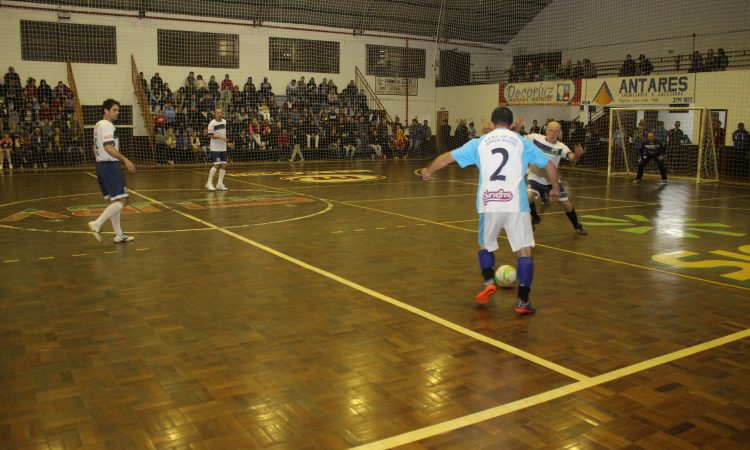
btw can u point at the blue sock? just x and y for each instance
(487, 264)
(525, 271)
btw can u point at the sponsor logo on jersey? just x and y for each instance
(500, 195)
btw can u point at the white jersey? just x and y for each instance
(216, 128)
(502, 157)
(555, 152)
(104, 133)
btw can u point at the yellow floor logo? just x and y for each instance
(333, 178)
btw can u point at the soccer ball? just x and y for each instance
(505, 276)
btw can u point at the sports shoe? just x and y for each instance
(123, 239)
(484, 296)
(637, 181)
(580, 230)
(97, 232)
(663, 182)
(210, 186)
(221, 187)
(524, 308)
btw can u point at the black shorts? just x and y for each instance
(111, 180)
(543, 190)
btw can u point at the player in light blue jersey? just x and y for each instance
(108, 172)
(502, 157)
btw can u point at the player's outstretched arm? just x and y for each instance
(576, 154)
(552, 176)
(439, 162)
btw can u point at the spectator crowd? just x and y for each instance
(307, 119)
(37, 124)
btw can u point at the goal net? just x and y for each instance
(684, 134)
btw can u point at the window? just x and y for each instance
(52, 41)
(397, 62)
(303, 55)
(196, 49)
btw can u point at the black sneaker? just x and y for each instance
(580, 230)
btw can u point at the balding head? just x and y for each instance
(552, 133)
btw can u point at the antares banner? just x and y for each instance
(642, 90)
(396, 86)
(558, 92)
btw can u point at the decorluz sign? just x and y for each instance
(396, 86)
(663, 90)
(562, 92)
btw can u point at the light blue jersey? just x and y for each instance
(502, 157)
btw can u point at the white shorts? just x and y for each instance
(517, 226)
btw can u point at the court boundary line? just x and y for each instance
(587, 255)
(387, 299)
(544, 397)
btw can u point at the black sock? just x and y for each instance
(573, 217)
(488, 273)
(523, 293)
(532, 207)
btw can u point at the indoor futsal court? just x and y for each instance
(294, 314)
(286, 275)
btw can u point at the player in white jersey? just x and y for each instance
(539, 183)
(217, 134)
(502, 156)
(109, 174)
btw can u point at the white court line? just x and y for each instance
(424, 314)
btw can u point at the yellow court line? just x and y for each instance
(46, 257)
(653, 269)
(11, 260)
(410, 198)
(424, 314)
(524, 403)
(563, 212)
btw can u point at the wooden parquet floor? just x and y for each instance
(330, 305)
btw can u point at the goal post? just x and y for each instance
(687, 133)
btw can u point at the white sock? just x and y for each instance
(211, 174)
(116, 224)
(108, 213)
(221, 176)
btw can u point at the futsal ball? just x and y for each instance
(505, 276)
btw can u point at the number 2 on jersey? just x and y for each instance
(496, 176)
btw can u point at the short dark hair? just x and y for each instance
(109, 103)
(502, 116)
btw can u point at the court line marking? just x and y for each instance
(601, 258)
(410, 198)
(424, 314)
(328, 208)
(563, 391)
(563, 212)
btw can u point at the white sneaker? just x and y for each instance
(210, 186)
(123, 239)
(97, 232)
(10, 166)
(221, 187)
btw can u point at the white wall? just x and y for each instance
(728, 90)
(594, 29)
(97, 82)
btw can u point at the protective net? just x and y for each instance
(640, 143)
(336, 80)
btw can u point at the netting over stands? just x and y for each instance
(363, 80)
